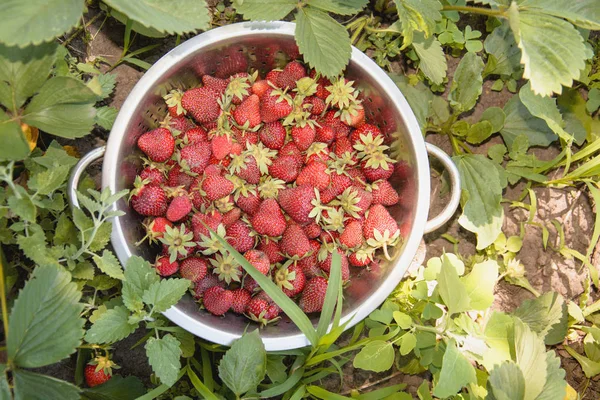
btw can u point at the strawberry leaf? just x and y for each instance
(456, 372)
(15, 146)
(546, 315)
(467, 83)
(583, 13)
(342, 7)
(519, 121)
(432, 60)
(265, 10)
(417, 15)
(29, 385)
(506, 381)
(376, 356)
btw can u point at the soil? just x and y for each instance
(545, 269)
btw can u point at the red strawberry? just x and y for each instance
(272, 76)
(326, 265)
(365, 199)
(209, 281)
(150, 201)
(217, 84)
(314, 174)
(260, 87)
(199, 219)
(232, 216)
(304, 136)
(294, 242)
(384, 194)
(213, 169)
(202, 104)
(364, 129)
(285, 168)
(360, 258)
(375, 174)
(313, 295)
(379, 219)
(177, 124)
(352, 235)
(180, 207)
(155, 229)
(272, 135)
(342, 146)
(232, 62)
(358, 177)
(248, 111)
(196, 156)
(93, 377)
(317, 152)
(339, 183)
(315, 105)
(273, 107)
(250, 284)
(238, 236)
(154, 175)
(249, 204)
(310, 263)
(157, 144)
(250, 172)
(196, 135)
(216, 187)
(259, 260)
(340, 128)
(292, 72)
(290, 149)
(193, 268)
(221, 146)
(312, 230)
(177, 177)
(164, 267)
(357, 117)
(325, 134)
(269, 219)
(290, 279)
(272, 250)
(241, 298)
(217, 300)
(296, 202)
(245, 137)
(260, 311)
(272, 312)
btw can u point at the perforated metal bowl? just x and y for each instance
(259, 46)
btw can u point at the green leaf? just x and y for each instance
(417, 15)
(409, 341)
(139, 276)
(593, 100)
(44, 323)
(23, 72)
(116, 388)
(544, 108)
(164, 356)
(552, 50)
(584, 13)
(403, 320)
(451, 288)
(178, 16)
(457, 372)
(63, 107)
(342, 7)
(111, 327)
(55, 155)
(556, 385)
(467, 83)
(479, 132)
(530, 355)
(495, 116)
(48, 181)
(4, 387)
(102, 238)
(323, 394)
(501, 45)
(37, 21)
(519, 121)
(276, 369)
(22, 207)
(83, 270)
(506, 382)
(109, 264)
(324, 42)
(546, 315)
(419, 98)
(243, 366)
(432, 60)
(14, 145)
(165, 293)
(499, 336)
(376, 356)
(480, 284)
(331, 294)
(265, 10)
(590, 368)
(105, 117)
(35, 247)
(107, 84)
(32, 386)
(481, 196)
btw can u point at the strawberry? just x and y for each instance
(380, 223)
(290, 149)
(342, 146)
(362, 257)
(290, 279)
(355, 201)
(157, 144)
(325, 265)
(260, 311)
(296, 202)
(272, 250)
(259, 260)
(317, 152)
(352, 235)
(260, 87)
(249, 170)
(213, 169)
(179, 207)
(149, 201)
(376, 173)
(196, 156)
(221, 146)
(241, 298)
(95, 375)
(245, 137)
(340, 128)
(249, 204)
(153, 175)
(216, 187)
(248, 112)
(313, 295)
(358, 177)
(211, 220)
(325, 134)
(177, 124)
(210, 280)
(202, 104)
(217, 84)
(272, 312)
(294, 242)
(339, 183)
(232, 62)
(272, 76)
(384, 193)
(164, 267)
(315, 105)
(269, 219)
(272, 135)
(177, 242)
(193, 268)
(195, 135)
(285, 168)
(315, 174)
(178, 177)
(310, 263)
(312, 230)
(292, 72)
(357, 116)
(231, 216)
(217, 300)
(238, 236)
(364, 129)
(274, 107)
(304, 136)
(250, 284)
(155, 229)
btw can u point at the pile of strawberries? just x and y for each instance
(285, 168)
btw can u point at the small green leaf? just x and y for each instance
(14, 145)
(590, 368)
(117, 388)
(432, 60)
(164, 356)
(479, 132)
(83, 270)
(409, 341)
(4, 387)
(55, 154)
(342, 7)
(23, 207)
(165, 293)
(501, 45)
(544, 108)
(556, 385)
(506, 381)
(107, 84)
(531, 357)
(111, 327)
(35, 247)
(451, 288)
(417, 15)
(37, 21)
(495, 116)
(44, 323)
(32, 386)
(101, 238)
(109, 264)
(265, 10)
(457, 372)
(376, 356)
(546, 315)
(276, 369)
(139, 276)
(48, 181)
(105, 117)
(593, 101)
(519, 121)
(480, 284)
(467, 83)
(324, 42)
(244, 365)
(403, 320)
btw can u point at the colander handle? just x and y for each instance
(448, 211)
(78, 171)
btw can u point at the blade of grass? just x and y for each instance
(143, 50)
(288, 306)
(321, 393)
(200, 387)
(207, 369)
(299, 393)
(284, 387)
(331, 295)
(382, 393)
(139, 63)
(154, 393)
(595, 192)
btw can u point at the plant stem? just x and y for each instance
(371, 384)
(424, 328)
(82, 27)
(3, 298)
(476, 10)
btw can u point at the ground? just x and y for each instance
(545, 269)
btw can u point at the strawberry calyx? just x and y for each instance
(269, 187)
(211, 244)
(105, 364)
(348, 200)
(342, 93)
(283, 276)
(263, 156)
(369, 145)
(226, 268)
(138, 185)
(178, 241)
(173, 100)
(335, 220)
(383, 240)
